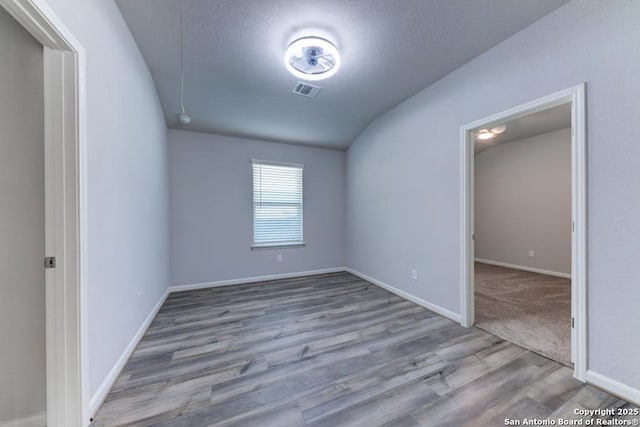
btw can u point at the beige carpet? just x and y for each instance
(529, 309)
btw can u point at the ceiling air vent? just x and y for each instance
(305, 89)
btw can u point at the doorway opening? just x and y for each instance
(562, 273)
(522, 232)
(22, 291)
(63, 67)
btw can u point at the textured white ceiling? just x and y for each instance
(544, 121)
(236, 83)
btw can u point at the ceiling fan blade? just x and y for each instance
(299, 62)
(326, 62)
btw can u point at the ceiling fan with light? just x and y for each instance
(312, 58)
(484, 134)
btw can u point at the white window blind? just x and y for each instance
(277, 203)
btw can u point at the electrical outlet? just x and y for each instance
(532, 253)
(279, 258)
(414, 274)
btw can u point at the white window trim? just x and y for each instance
(278, 245)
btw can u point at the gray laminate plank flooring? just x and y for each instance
(330, 350)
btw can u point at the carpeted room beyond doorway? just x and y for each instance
(529, 309)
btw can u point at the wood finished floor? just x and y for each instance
(330, 350)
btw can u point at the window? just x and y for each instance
(277, 204)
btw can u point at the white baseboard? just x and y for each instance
(614, 387)
(37, 420)
(190, 287)
(426, 304)
(525, 268)
(102, 392)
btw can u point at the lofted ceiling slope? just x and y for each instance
(236, 83)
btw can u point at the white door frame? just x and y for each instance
(65, 211)
(576, 97)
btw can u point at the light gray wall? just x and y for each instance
(523, 202)
(403, 172)
(22, 336)
(212, 208)
(127, 184)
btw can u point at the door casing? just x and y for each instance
(65, 211)
(575, 96)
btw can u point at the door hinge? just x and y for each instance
(573, 226)
(573, 322)
(473, 237)
(50, 262)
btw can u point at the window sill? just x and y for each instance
(266, 246)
